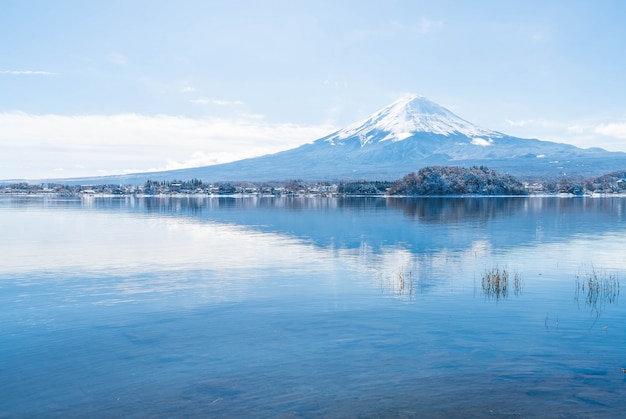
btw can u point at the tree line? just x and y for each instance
(431, 180)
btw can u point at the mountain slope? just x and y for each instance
(411, 133)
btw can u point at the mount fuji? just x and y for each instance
(411, 133)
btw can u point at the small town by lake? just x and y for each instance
(291, 306)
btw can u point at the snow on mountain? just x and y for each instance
(408, 116)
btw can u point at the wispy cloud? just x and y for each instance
(217, 102)
(395, 28)
(422, 26)
(117, 58)
(529, 123)
(577, 128)
(26, 73)
(35, 145)
(520, 123)
(200, 101)
(585, 133)
(228, 102)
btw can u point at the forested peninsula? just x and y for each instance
(452, 180)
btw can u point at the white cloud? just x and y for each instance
(26, 73)
(187, 89)
(617, 130)
(36, 146)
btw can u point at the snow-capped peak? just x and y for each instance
(407, 116)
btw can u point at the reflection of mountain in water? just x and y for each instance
(406, 245)
(419, 224)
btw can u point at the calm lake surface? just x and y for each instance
(306, 307)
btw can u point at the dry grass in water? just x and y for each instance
(599, 288)
(401, 285)
(405, 284)
(496, 283)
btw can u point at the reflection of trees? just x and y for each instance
(193, 204)
(439, 210)
(427, 209)
(583, 214)
(42, 201)
(350, 221)
(172, 205)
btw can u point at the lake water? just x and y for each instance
(307, 307)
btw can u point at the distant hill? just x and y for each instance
(407, 135)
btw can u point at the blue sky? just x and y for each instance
(92, 88)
